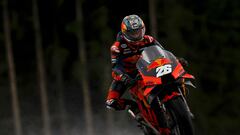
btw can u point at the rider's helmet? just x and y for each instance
(133, 28)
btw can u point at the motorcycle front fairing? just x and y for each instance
(158, 67)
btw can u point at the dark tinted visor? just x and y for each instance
(135, 35)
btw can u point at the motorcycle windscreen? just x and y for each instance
(149, 64)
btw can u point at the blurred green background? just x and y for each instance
(55, 67)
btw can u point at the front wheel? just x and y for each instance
(179, 117)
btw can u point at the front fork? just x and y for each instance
(184, 100)
(163, 108)
(182, 92)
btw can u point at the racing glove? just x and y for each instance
(118, 75)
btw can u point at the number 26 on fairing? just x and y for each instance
(163, 70)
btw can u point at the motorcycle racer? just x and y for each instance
(125, 52)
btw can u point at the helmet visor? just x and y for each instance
(135, 35)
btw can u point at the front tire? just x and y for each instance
(180, 117)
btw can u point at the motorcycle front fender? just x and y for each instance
(156, 91)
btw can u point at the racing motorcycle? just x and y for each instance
(160, 93)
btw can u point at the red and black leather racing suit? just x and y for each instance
(124, 56)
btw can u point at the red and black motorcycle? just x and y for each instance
(160, 93)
